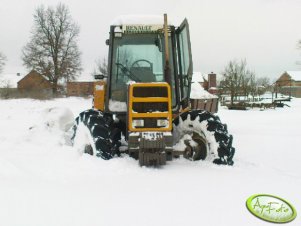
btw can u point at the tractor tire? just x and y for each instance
(203, 137)
(100, 133)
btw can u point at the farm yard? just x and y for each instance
(45, 181)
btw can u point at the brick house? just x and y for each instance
(34, 81)
(289, 83)
(80, 88)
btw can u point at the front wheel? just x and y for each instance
(96, 134)
(202, 136)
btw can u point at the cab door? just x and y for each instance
(185, 68)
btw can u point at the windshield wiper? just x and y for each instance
(128, 73)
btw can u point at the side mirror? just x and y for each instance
(100, 77)
(107, 42)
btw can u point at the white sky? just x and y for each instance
(265, 32)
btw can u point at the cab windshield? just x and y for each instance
(136, 58)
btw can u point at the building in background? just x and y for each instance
(18, 85)
(80, 88)
(289, 83)
(83, 86)
(35, 85)
(34, 81)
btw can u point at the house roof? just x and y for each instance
(295, 75)
(11, 80)
(31, 73)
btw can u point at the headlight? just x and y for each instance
(138, 123)
(162, 123)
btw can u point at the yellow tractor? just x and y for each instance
(142, 106)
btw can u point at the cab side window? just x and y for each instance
(185, 60)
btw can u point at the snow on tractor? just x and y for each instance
(142, 107)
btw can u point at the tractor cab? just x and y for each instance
(138, 54)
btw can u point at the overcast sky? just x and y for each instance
(264, 32)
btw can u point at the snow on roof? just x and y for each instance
(197, 77)
(198, 92)
(11, 80)
(295, 75)
(139, 19)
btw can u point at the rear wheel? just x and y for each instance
(96, 133)
(201, 135)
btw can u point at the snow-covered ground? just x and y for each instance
(43, 181)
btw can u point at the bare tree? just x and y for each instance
(253, 86)
(263, 81)
(245, 83)
(5, 90)
(263, 84)
(2, 61)
(237, 80)
(52, 49)
(101, 67)
(125, 58)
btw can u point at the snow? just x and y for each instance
(198, 92)
(44, 181)
(60, 118)
(197, 77)
(295, 75)
(139, 20)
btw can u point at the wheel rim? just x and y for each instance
(197, 151)
(88, 149)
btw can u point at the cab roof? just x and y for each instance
(139, 20)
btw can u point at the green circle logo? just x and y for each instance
(271, 208)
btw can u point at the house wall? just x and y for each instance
(287, 86)
(80, 88)
(294, 91)
(296, 83)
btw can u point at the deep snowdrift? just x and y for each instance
(43, 181)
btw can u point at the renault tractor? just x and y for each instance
(141, 107)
